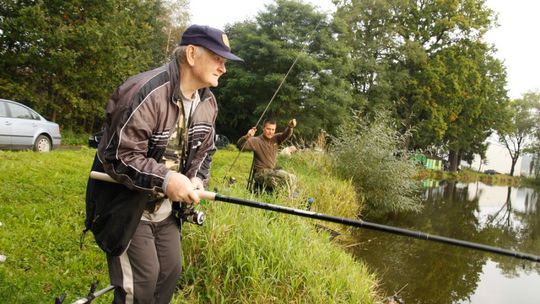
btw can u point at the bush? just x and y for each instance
(368, 154)
(69, 137)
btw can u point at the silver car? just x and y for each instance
(23, 128)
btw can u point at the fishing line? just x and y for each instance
(275, 94)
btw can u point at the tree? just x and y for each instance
(366, 29)
(175, 21)
(473, 97)
(64, 58)
(413, 57)
(520, 130)
(313, 91)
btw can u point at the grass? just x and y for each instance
(240, 254)
(41, 212)
(470, 176)
(530, 181)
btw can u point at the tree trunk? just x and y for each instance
(480, 166)
(514, 161)
(453, 160)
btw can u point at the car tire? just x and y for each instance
(42, 144)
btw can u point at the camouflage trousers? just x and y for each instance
(275, 178)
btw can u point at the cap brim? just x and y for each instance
(227, 55)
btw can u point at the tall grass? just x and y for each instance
(240, 254)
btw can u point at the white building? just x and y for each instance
(498, 159)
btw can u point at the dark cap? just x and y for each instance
(211, 38)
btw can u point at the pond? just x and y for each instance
(420, 271)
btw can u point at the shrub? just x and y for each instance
(69, 137)
(368, 154)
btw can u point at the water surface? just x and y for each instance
(419, 271)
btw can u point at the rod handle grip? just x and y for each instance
(107, 178)
(102, 177)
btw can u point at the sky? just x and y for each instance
(514, 39)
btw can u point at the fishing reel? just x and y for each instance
(187, 213)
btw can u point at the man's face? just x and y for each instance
(208, 67)
(269, 130)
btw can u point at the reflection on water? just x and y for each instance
(419, 271)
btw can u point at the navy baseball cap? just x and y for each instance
(211, 38)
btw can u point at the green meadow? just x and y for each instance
(239, 255)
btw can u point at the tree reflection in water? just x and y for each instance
(429, 272)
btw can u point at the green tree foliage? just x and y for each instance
(427, 62)
(522, 126)
(473, 97)
(64, 58)
(366, 153)
(364, 30)
(176, 21)
(313, 92)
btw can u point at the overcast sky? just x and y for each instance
(515, 40)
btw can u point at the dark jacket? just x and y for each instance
(265, 149)
(141, 115)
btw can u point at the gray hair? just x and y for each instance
(180, 53)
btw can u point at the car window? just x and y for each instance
(34, 115)
(18, 111)
(3, 110)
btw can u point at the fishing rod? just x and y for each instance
(350, 222)
(275, 94)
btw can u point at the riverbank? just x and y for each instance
(470, 176)
(240, 254)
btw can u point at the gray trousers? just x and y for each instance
(147, 272)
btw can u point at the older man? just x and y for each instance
(158, 139)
